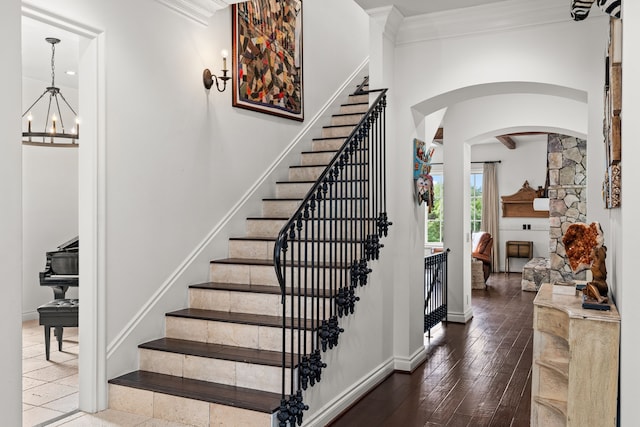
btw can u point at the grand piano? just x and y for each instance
(61, 270)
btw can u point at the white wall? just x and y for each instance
(50, 202)
(625, 250)
(50, 216)
(11, 216)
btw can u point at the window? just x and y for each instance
(476, 201)
(435, 221)
(434, 227)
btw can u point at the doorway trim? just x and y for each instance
(91, 194)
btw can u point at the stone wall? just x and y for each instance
(567, 157)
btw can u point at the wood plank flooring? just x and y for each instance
(477, 374)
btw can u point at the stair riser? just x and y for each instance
(256, 249)
(251, 249)
(299, 190)
(264, 227)
(260, 275)
(321, 158)
(292, 190)
(336, 132)
(279, 208)
(308, 173)
(247, 302)
(243, 274)
(357, 99)
(327, 144)
(356, 108)
(352, 119)
(181, 410)
(286, 209)
(229, 372)
(312, 173)
(271, 227)
(234, 334)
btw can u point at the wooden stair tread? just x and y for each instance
(339, 218)
(273, 239)
(261, 289)
(330, 151)
(275, 199)
(326, 138)
(347, 114)
(308, 166)
(269, 262)
(319, 152)
(324, 165)
(268, 218)
(259, 239)
(355, 103)
(313, 182)
(255, 400)
(233, 317)
(338, 126)
(218, 351)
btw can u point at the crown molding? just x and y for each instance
(482, 19)
(199, 11)
(389, 19)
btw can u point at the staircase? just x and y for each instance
(222, 360)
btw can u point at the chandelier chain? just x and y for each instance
(53, 64)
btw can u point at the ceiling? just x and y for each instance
(420, 7)
(36, 53)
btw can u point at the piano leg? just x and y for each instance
(59, 291)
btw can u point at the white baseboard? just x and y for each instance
(335, 407)
(456, 317)
(409, 364)
(29, 315)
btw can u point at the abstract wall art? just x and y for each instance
(267, 57)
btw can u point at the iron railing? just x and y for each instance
(435, 289)
(321, 255)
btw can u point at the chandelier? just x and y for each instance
(54, 125)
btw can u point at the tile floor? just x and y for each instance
(50, 388)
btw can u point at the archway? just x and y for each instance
(471, 115)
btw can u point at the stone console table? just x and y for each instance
(574, 378)
(535, 273)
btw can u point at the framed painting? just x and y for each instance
(267, 57)
(611, 187)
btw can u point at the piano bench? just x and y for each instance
(57, 314)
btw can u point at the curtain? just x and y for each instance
(490, 209)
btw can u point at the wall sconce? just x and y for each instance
(208, 78)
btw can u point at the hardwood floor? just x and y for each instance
(477, 374)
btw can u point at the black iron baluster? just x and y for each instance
(315, 358)
(323, 332)
(384, 223)
(350, 236)
(283, 411)
(349, 259)
(296, 294)
(304, 370)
